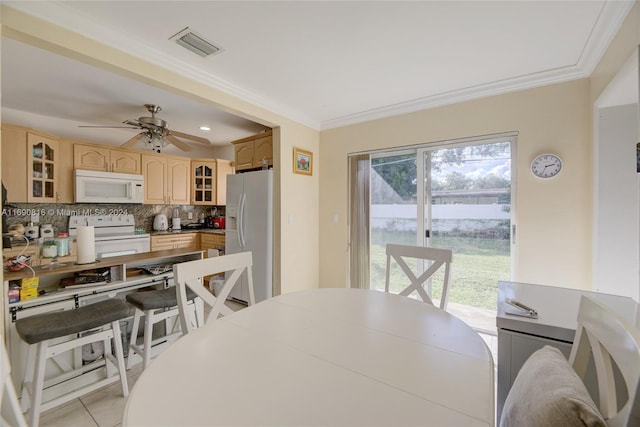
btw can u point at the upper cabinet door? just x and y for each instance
(124, 161)
(244, 155)
(178, 181)
(42, 153)
(263, 151)
(154, 169)
(90, 157)
(203, 182)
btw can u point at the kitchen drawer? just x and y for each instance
(211, 241)
(175, 241)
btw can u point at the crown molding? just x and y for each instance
(609, 21)
(458, 96)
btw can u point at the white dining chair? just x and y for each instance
(549, 390)
(191, 274)
(438, 258)
(10, 411)
(609, 340)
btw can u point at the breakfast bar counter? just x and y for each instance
(57, 289)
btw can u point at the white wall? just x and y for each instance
(615, 259)
(616, 217)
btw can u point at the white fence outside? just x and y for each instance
(445, 217)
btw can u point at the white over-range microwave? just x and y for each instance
(108, 187)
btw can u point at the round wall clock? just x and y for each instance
(546, 166)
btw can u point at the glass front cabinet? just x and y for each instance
(42, 174)
(203, 186)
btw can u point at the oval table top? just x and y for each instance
(322, 357)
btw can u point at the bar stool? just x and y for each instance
(39, 331)
(155, 306)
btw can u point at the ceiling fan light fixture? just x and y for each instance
(155, 142)
(195, 43)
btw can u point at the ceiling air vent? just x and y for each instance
(195, 43)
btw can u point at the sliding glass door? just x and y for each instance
(454, 196)
(468, 210)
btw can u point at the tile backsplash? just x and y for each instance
(58, 214)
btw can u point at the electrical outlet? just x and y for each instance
(35, 218)
(190, 215)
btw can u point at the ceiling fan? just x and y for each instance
(156, 134)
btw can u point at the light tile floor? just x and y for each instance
(102, 408)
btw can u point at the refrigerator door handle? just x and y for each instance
(241, 237)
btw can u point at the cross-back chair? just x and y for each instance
(609, 339)
(438, 257)
(190, 275)
(550, 391)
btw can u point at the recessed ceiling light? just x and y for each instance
(205, 128)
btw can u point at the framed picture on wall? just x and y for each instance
(638, 157)
(302, 161)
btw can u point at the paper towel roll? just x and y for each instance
(86, 244)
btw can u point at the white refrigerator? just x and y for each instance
(249, 227)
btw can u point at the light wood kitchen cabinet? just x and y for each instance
(36, 167)
(211, 241)
(101, 158)
(14, 162)
(209, 181)
(252, 151)
(175, 241)
(167, 179)
(29, 158)
(66, 184)
(42, 173)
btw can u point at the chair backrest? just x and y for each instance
(439, 258)
(610, 339)
(191, 274)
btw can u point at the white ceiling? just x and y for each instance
(322, 63)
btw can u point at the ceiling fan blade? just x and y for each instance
(133, 141)
(191, 137)
(175, 141)
(109, 127)
(133, 123)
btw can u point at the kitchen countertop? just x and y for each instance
(68, 268)
(188, 231)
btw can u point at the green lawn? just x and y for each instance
(478, 265)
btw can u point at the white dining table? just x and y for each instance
(322, 357)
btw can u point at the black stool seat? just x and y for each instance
(152, 300)
(45, 326)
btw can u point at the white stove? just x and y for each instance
(114, 234)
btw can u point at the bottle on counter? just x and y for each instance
(49, 249)
(63, 244)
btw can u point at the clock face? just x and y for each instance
(546, 166)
